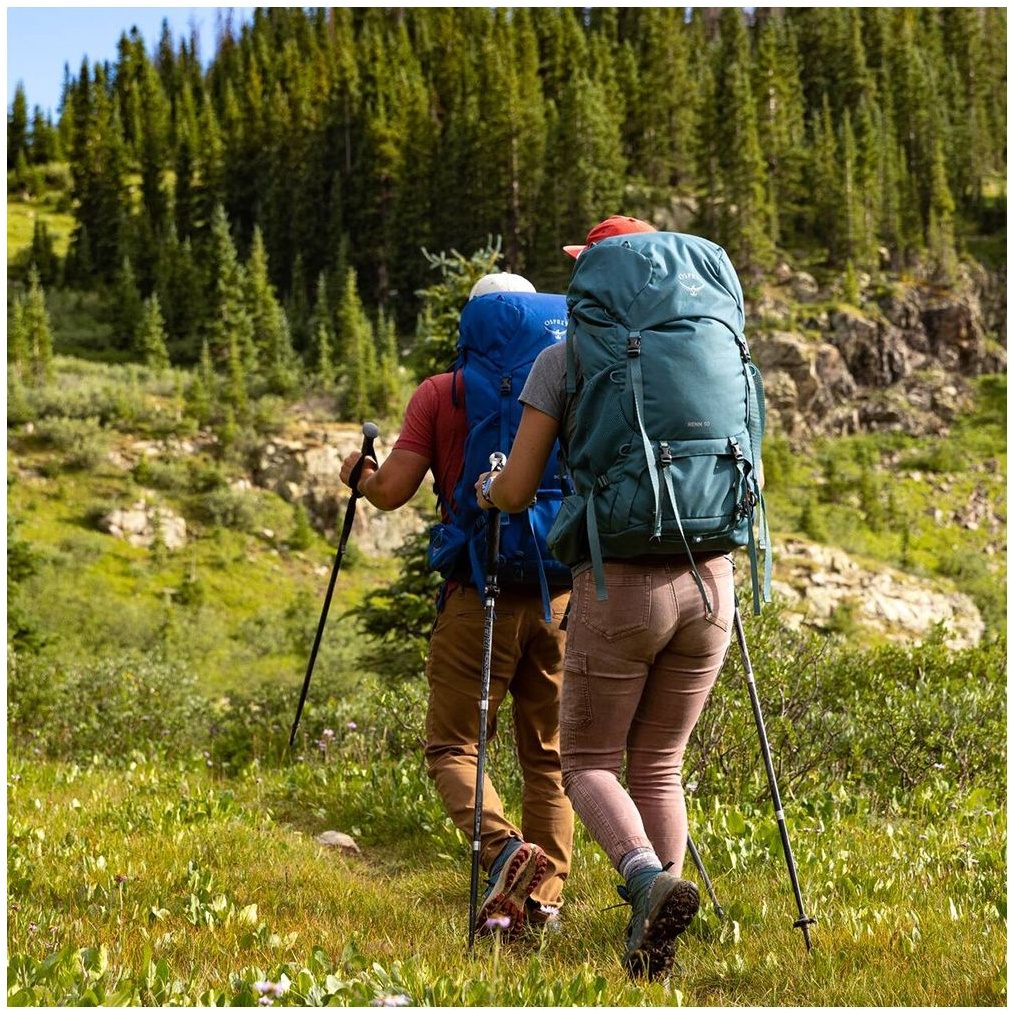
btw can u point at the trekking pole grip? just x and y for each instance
(370, 431)
(497, 462)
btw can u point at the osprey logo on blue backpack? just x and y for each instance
(500, 336)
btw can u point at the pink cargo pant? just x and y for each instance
(639, 667)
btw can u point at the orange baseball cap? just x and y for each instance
(616, 224)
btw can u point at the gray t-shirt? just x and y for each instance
(545, 386)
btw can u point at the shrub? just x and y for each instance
(110, 707)
(82, 443)
(223, 506)
(886, 719)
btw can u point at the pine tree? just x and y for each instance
(180, 291)
(587, 165)
(270, 330)
(153, 145)
(778, 94)
(38, 331)
(662, 112)
(510, 135)
(321, 350)
(850, 240)
(386, 386)
(824, 180)
(18, 349)
(230, 328)
(744, 217)
(98, 163)
(236, 388)
(941, 221)
(17, 127)
(201, 392)
(45, 141)
(150, 339)
(43, 253)
(126, 308)
(357, 339)
(297, 307)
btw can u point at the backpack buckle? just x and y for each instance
(634, 345)
(506, 386)
(665, 456)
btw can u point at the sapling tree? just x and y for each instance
(150, 338)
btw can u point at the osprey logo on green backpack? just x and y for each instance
(668, 415)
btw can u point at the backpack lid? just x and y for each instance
(512, 328)
(645, 280)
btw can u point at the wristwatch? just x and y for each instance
(485, 489)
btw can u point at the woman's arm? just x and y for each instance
(514, 487)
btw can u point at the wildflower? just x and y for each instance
(391, 999)
(269, 991)
(498, 922)
(352, 725)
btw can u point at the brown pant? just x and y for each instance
(526, 662)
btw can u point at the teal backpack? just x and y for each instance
(668, 413)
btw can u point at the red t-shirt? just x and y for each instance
(435, 428)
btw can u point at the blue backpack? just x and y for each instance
(500, 336)
(669, 415)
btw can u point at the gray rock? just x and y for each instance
(338, 840)
(142, 522)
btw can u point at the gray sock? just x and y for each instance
(644, 858)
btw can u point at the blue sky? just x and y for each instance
(40, 40)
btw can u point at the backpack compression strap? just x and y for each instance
(638, 394)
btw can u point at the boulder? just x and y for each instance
(141, 523)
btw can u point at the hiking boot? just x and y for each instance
(662, 907)
(514, 874)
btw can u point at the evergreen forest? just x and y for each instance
(270, 211)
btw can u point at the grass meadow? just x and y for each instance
(188, 872)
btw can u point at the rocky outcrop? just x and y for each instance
(900, 361)
(304, 468)
(816, 584)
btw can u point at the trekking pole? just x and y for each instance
(692, 848)
(370, 432)
(804, 921)
(490, 593)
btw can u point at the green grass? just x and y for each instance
(258, 602)
(21, 218)
(162, 883)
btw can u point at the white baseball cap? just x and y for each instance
(491, 284)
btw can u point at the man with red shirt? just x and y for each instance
(526, 867)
